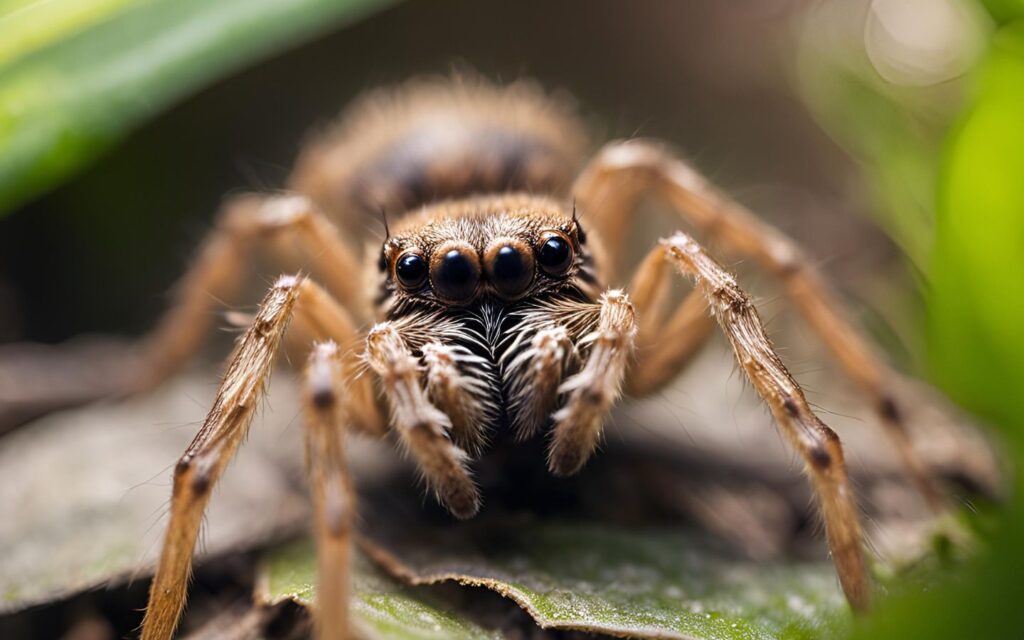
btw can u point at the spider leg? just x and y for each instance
(422, 428)
(607, 190)
(818, 445)
(325, 319)
(326, 416)
(595, 388)
(244, 222)
(664, 345)
(43, 379)
(223, 430)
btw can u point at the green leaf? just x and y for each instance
(651, 583)
(383, 607)
(77, 76)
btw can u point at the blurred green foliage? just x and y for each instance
(77, 75)
(973, 290)
(1004, 10)
(975, 312)
(897, 147)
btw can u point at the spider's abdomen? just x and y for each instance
(435, 139)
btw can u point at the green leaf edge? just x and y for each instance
(63, 105)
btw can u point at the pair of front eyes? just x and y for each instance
(454, 269)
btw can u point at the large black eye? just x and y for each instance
(411, 270)
(455, 273)
(509, 265)
(554, 253)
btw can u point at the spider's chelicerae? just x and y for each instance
(487, 308)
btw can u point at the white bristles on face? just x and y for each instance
(468, 400)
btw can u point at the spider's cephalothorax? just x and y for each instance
(485, 307)
(484, 282)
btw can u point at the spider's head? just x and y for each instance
(506, 248)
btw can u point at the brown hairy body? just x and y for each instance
(487, 308)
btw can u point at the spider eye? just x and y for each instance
(509, 265)
(554, 253)
(455, 273)
(411, 270)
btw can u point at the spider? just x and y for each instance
(487, 307)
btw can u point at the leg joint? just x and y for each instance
(819, 456)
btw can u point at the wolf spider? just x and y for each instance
(487, 308)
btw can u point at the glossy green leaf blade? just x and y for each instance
(650, 583)
(383, 607)
(68, 95)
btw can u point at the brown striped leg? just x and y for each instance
(246, 221)
(327, 419)
(818, 445)
(215, 444)
(199, 469)
(595, 388)
(422, 428)
(325, 319)
(665, 345)
(607, 191)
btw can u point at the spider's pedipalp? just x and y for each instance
(534, 376)
(817, 444)
(421, 427)
(467, 400)
(595, 388)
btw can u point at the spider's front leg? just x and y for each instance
(816, 443)
(224, 429)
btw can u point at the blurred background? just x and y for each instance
(884, 135)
